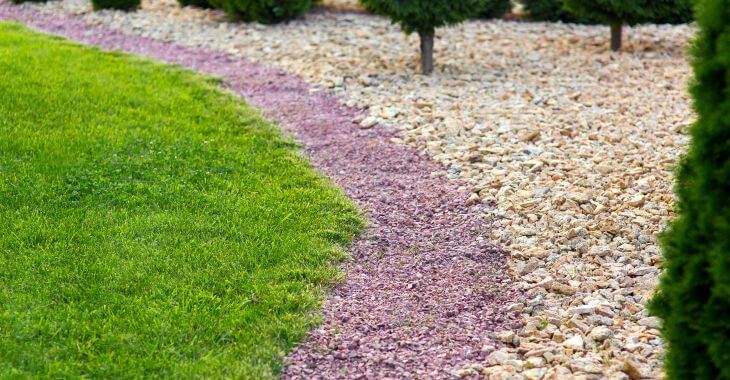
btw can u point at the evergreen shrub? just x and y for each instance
(124, 5)
(616, 13)
(263, 11)
(424, 16)
(694, 292)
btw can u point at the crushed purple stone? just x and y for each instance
(422, 294)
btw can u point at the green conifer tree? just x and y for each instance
(616, 13)
(263, 11)
(694, 293)
(424, 16)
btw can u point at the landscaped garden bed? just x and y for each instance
(424, 285)
(574, 144)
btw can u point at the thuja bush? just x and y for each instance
(424, 16)
(263, 11)
(616, 13)
(550, 10)
(495, 9)
(694, 292)
(195, 3)
(125, 5)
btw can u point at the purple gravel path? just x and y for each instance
(422, 293)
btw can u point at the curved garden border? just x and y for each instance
(424, 289)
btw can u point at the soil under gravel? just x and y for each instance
(423, 290)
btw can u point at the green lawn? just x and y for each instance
(150, 224)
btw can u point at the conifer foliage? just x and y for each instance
(263, 11)
(694, 293)
(124, 5)
(195, 3)
(616, 13)
(549, 10)
(495, 9)
(424, 16)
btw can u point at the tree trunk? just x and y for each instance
(426, 51)
(616, 36)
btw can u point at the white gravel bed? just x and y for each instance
(576, 145)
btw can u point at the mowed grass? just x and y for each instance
(151, 225)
